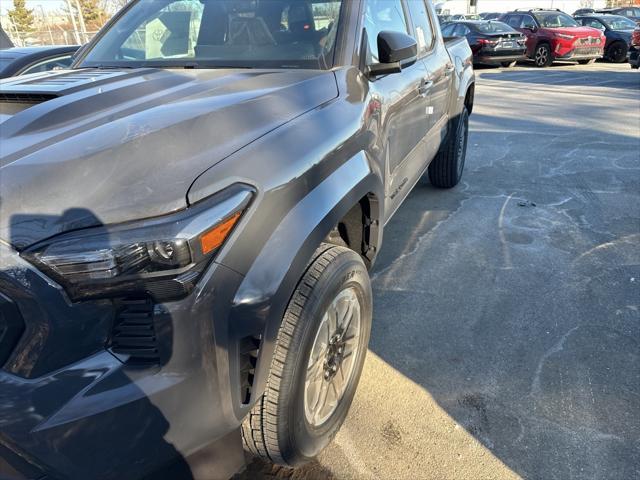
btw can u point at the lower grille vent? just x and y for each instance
(249, 350)
(134, 333)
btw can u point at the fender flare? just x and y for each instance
(265, 292)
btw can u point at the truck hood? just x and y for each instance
(89, 147)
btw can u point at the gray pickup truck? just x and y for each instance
(188, 216)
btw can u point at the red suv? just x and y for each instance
(634, 51)
(554, 35)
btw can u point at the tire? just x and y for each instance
(587, 62)
(446, 169)
(283, 427)
(508, 64)
(617, 52)
(542, 56)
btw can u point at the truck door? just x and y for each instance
(403, 122)
(435, 57)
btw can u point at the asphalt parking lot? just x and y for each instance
(506, 336)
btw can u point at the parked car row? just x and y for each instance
(545, 35)
(630, 12)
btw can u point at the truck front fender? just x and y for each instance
(263, 296)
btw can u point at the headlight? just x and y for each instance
(565, 36)
(163, 257)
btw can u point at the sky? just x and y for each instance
(47, 5)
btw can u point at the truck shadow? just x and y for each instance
(495, 310)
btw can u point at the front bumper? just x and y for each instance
(72, 408)
(497, 59)
(581, 53)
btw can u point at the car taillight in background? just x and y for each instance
(487, 42)
(635, 38)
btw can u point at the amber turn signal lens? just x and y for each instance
(215, 237)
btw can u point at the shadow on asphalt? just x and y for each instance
(521, 319)
(568, 78)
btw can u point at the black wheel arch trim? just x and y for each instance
(267, 287)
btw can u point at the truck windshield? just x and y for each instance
(220, 34)
(555, 20)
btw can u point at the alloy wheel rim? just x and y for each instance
(333, 355)
(541, 56)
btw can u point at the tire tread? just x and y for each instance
(260, 427)
(443, 170)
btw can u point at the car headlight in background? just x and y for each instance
(564, 36)
(163, 257)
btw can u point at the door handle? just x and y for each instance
(424, 87)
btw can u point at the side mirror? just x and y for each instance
(395, 51)
(531, 27)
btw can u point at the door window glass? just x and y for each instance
(380, 15)
(422, 23)
(514, 20)
(593, 23)
(527, 22)
(460, 31)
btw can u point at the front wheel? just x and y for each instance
(445, 171)
(542, 56)
(318, 358)
(617, 52)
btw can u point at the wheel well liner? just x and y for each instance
(357, 229)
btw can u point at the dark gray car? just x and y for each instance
(187, 221)
(26, 60)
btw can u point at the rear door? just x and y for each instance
(404, 103)
(527, 26)
(436, 59)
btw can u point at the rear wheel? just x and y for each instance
(316, 366)
(587, 62)
(446, 169)
(617, 52)
(509, 64)
(542, 55)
